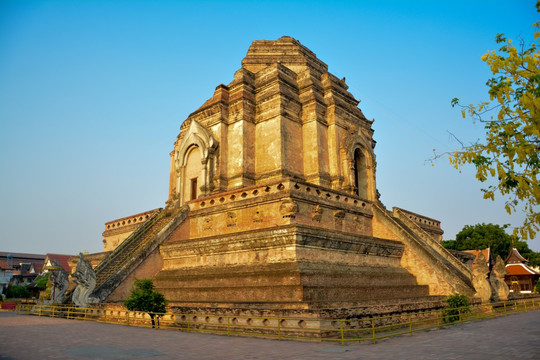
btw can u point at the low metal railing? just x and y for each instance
(291, 328)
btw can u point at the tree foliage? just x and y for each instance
(481, 236)
(17, 292)
(457, 305)
(145, 298)
(509, 155)
(41, 281)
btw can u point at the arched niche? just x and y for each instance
(360, 173)
(359, 167)
(194, 160)
(192, 175)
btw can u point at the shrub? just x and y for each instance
(17, 292)
(41, 282)
(458, 304)
(145, 298)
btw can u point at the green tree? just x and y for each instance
(457, 306)
(449, 244)
(17, 292)
(41, 281)
(145, 298)
(481, 236)
(509, 155)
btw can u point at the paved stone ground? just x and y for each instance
(515, 336)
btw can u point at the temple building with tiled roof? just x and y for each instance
(63, 260)
(520, 277)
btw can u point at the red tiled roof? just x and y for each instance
(520, 269)
(5, 266)
(38, 267)
(63, 260)
(486, 252)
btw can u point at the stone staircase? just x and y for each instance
(116, 267)
(442, 264)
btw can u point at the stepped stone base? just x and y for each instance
(314, 310)
(314, 267)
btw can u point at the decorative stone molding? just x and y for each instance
(258, 216)
(200, 137)
(339, 215)
(288, 208)
(207, 223)
(231, 219)
(316, 213)
(298, 236)
(129, 221)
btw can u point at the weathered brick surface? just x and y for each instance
(30, 337)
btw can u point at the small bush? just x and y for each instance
(17, 292)
(458, 304)
(41, 282)
(145, 298)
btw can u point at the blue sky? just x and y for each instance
(92, 95)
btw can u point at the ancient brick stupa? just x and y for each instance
(273, 204)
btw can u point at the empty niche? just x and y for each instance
(288, 208)
(257, 216)
(231, 219)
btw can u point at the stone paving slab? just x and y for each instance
(515, 336)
